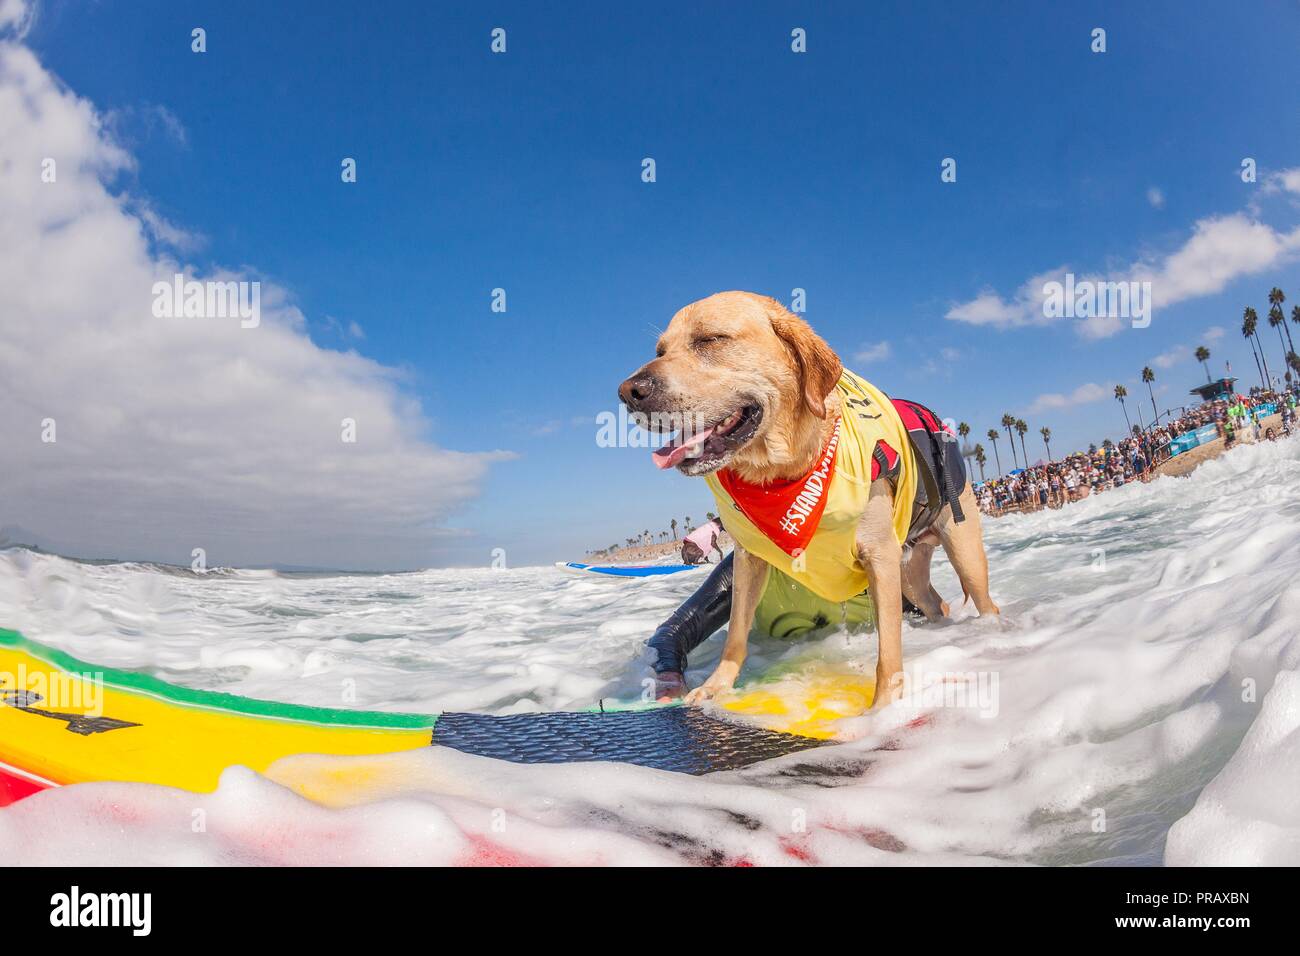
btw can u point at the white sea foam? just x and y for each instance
(1145, 668)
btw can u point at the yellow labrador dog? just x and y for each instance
(761, 387)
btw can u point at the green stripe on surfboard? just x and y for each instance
(138, 683)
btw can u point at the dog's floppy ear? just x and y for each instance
(819, 366)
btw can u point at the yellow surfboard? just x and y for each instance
(65, 721)
(807, 704)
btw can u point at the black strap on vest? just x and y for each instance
(938, 442)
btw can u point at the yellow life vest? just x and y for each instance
(829, 566)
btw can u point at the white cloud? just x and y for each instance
(164, 231)
(1171, 357)
(147, 117)
(16, 17)
(175, 434)
(1285, 180)
(1220, 250)
(1025, 307)
(1156, 197)
(989, 308)
(1182, 353)
(350, 330)
(873, 353)
(1178, 354)
(1084, 394)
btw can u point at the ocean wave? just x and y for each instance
(1147, 695)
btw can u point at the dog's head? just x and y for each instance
(742, 382)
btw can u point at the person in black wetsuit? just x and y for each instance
(700, 616)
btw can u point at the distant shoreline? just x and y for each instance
(643, 553)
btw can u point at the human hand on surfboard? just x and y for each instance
(671, 685)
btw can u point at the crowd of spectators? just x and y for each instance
(1135, 458)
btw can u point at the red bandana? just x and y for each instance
(787, 512)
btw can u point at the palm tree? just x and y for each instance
(1203, 356)
(1250, 321)
(710, 515)
(1021, 428)
(1247, 332)
(993, 437)
(1047, 440)
(980, 458)
(963, 430)
(673, 524)
(1149, 376)
(1120, 394)
(686, 528)
(1009, 422)
(1295, 317)
(1278, 321)
(1277, 298)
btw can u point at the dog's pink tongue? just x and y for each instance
(672, 454)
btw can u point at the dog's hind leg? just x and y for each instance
(963, 542)
(916, 579)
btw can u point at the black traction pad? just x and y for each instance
(681, 739)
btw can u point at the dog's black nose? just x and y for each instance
(637, 389)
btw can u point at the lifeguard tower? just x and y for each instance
(1222, 388)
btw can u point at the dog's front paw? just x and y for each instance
(889, 688)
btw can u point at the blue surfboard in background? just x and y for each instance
(646, 571)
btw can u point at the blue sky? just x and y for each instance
(775, 170)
